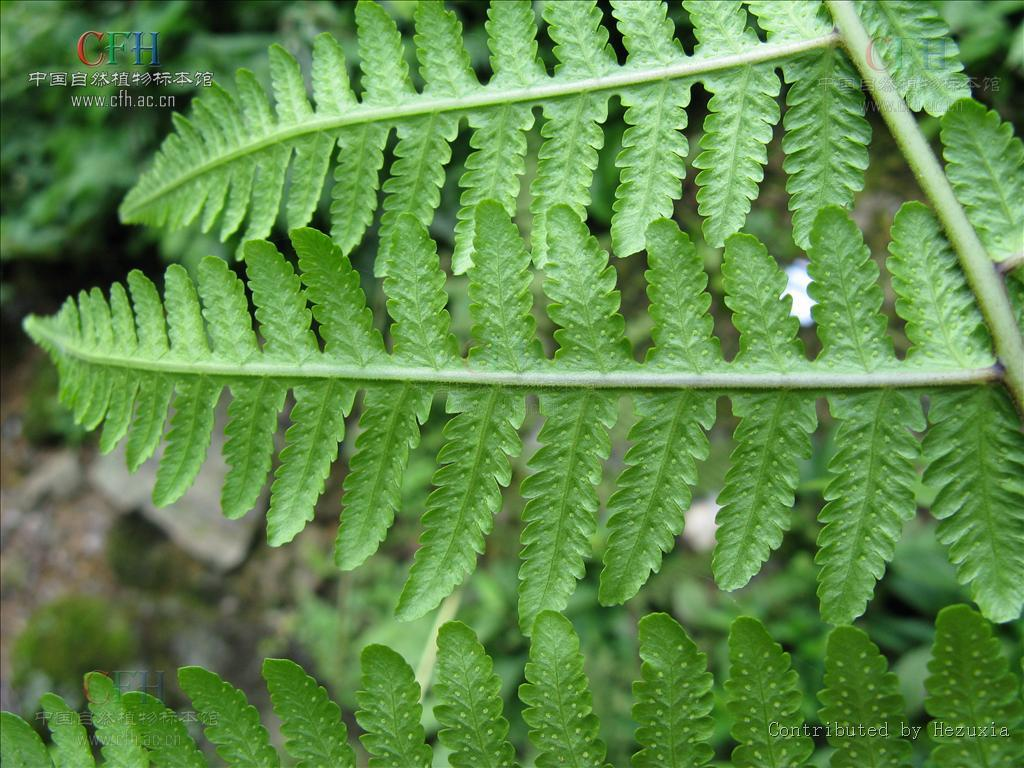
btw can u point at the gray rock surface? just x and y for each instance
(194, 522)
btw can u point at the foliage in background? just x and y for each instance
(970, 689)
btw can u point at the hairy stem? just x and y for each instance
(489, 96)
(981, 273)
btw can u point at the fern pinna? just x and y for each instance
(229, 161)
(118, 354)
(972, 698)
(125, 361)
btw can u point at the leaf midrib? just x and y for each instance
(804, 375)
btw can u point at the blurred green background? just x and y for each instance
(94, 578)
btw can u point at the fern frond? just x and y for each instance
(115, 730)
(572, 134)
(975, 453)
(672, 699)
(654, 149)
(773, 432)
(420, 334)
(561, 508)
(826, 133)
(559, 705)
(763, 690)
(389, 429)
(314, 732)
(231, 159)
(311, 446)
(870, 495)
(389, 711)
(741, 115)
(162, 732)
(473, 464)
(20, 746)
(71, 747)
(646, 512)
(985, 165)
(202, 345)
(943, 322)
(969, 685)
(871, 491)
(913, 42)
(861, 693)
(469, 706)
(229, 720)
(499, 136)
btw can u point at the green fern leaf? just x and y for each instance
(497, 161)
(123, 388)
(654, 149)
(389, 711)
(848, 313)
(969, 685)
(188, 439)
(563, 727)
(870, 495)
(230, 161)
(115, 730)
(860, 693)
(646, 512)
(672, 700)
(469, 706)
(162, 732)
(313, 153)
(21, 746)
(741, 115)
(249, 442)
(975, 453)
(871, 491)
(561, 508)
(985, 164)
(229, 721)
(315, 734)
(424, 143)
(318, 416)
(154, 390)
(389, 429)
(772, 436)
(763, 690)
(473, 467)
(339, 304)
(473, 464)
(71, 747)
(572, 134)
(943, 322)
(97, 332)
(421, 335)
(254, 407)
(826, 134)
(913, 42)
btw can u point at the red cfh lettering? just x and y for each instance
(870, 53)
(81, 49)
